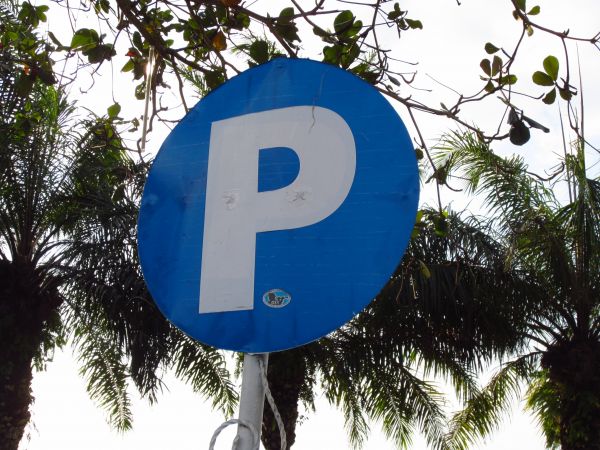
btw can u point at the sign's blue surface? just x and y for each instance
(278, 208)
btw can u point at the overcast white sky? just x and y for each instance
(449, 48)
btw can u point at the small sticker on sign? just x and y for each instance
(276, 298)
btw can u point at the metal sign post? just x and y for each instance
(252, 401)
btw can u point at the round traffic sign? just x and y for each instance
(278, 207)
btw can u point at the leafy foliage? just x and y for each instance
(557, 245)
(202, 44)
(207, 38)
(486, 407)
(20, 46)
(69, 192)
(441, 312)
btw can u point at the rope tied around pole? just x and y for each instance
(255, 436)
(271, 401)
(255, 433)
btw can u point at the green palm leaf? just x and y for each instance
(555, 247)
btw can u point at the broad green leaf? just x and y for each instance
(102, 5)
(40, 12)
(496, 65)
(508, 79)
(534, 11)
(136, 39)
(55, 40)
(343, 21)
(542, 79)
(393, 15)
(489, 87)
(490, 48)
(12, 36)
(192, 23)
(550, 97)
(128, 67)
(285, 25)
(486, 66)
(114, 110)
(139, 69)
(320, 32)
(414, 24)
(27, 15)
(565, 94)
(355, 28)
(522, 4)
(286, 14)
(551, 66)
(332, 54)
(84, 37)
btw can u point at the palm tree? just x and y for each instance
(443, 314)
(68, 264)
(556, 244)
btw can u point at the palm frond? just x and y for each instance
(205, 369)
(544, 400)
(107, 377)
(341, 385)
(104, 280)
(403, 401)
(511, 192)
(467, 307)
(351, 401)
(33, 166)
(365, 374)
(484, 411)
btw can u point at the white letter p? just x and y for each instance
(235, 211)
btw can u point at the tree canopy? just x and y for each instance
(174, 50)
(555, 243)
(524, 59)
(68, 266)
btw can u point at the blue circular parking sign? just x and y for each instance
(278, 207)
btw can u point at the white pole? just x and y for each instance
(252, 400)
